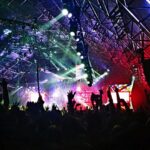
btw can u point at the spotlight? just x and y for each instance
(73, 27)
(65, 12)
(88, 82)
(94, 83)
(81, 57)
(133, 77)
(82, 65)
(85, 76)
(7, 31)
(108, 70)
(72, 33)
(106, 73)
(148, 1)
(69, 15)
(78, 53)
(77, 39)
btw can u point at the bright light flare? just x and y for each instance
(105, 74)
(148, 1)
(85, 76)
(81, 57)
(78, 53)
(33, 96)
(72, 33)
(65, 12)
(69, 15)
(56, 93)
(77, 39)
(82, 65)
(7, 31)
(108, 70)
(88, 82)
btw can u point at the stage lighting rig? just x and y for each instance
(77, 32)
(89, 76)
(68, 8)
(80, 47)
(73, 27)
(83, 49)
(72, 8)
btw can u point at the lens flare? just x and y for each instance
(65, 12)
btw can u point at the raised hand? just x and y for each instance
(71, 95)
(116, 89)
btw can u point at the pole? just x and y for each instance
(38, 84)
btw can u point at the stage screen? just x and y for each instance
(124, 92)
(123, 95)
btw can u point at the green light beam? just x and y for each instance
(54, 65)
(67, 51)
(96, 72)
(69, 71)
(15, 91)
(51, 22)
(59, 63)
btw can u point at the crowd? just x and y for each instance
(100, 128)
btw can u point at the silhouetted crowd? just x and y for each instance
(111, 127)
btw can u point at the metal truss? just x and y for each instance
(30, 28)
(120, 30)
(113, 29)
(119, 23)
